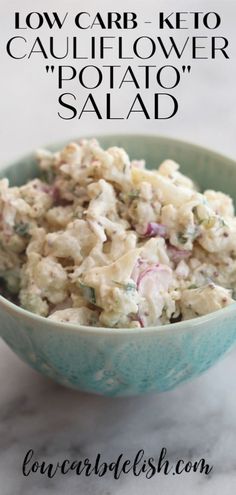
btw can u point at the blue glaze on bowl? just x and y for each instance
(119, 362)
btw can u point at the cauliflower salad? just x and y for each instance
(100, 240)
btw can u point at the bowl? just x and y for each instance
(121, 362)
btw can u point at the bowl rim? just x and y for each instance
(10, 307)
(181, 326)
(52, 145)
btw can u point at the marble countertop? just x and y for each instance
(197, 420)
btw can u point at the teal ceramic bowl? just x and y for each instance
(120, 362)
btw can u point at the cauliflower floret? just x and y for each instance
(182, 270)
(13, 242)
(154, 251)
(167, 191)
(217, 238)
(221, 203)
(32, 301)
(37, 240)
(102, 199)
(113, 165)
(46, 159)
(180, 224)
(37, 195)
(170, 169)
(63, 245)
(70, 158)
(76, 316)
(12, 204)
(75, 242)
(59, 216)
(204, 300)
(169, 215)
(51, 278)
(115, 291)
(44, 277)
(9, 259)
(141, 213)
(121, 242)
(71, 154)
(146, 192)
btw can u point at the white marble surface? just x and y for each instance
(194, 421)
(198, 419)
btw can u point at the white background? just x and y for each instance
(28, 97)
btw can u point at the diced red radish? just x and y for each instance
(41, 186)
(154, 229)
(45, 188)
(140, 320)
(177, 255)
(157, 276)
(56, 196)
(55, 193)
(140, 266)
(151, 281)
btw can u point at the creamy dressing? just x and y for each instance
(100, 240)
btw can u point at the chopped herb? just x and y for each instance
(209, 222)
(222, 222)
(201, 221)
(127, 287)
(48, 176)
(190, 234)
(182, 237)
(193, 286)
(78, 214)
(22, 229)
(98, 195)
(195, 212)
(88, 292)
(134, 194)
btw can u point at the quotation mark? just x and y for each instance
(186, 68)
(50, 68)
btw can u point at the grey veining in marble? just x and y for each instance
(194, 421)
